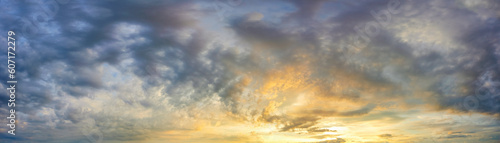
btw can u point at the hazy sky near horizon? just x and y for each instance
(253, 71)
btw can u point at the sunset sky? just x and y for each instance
(251, 71)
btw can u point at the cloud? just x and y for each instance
(385, 135)
(320, 130)
(456, 136)
(338, 140)
(290, 70)
(305, 10)
(358, 112)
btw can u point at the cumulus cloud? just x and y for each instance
(322, 71)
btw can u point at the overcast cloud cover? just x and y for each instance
(253, 71)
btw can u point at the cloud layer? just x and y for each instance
(255, 71)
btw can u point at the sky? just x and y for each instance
(234, 71)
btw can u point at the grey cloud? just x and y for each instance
(70, 58)
(72, 46)
(312, 130)
(385, 136)
(306, 10)
(262, 33)
(328, 113)
(299, 123)
(456, 136)
(338, 140)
